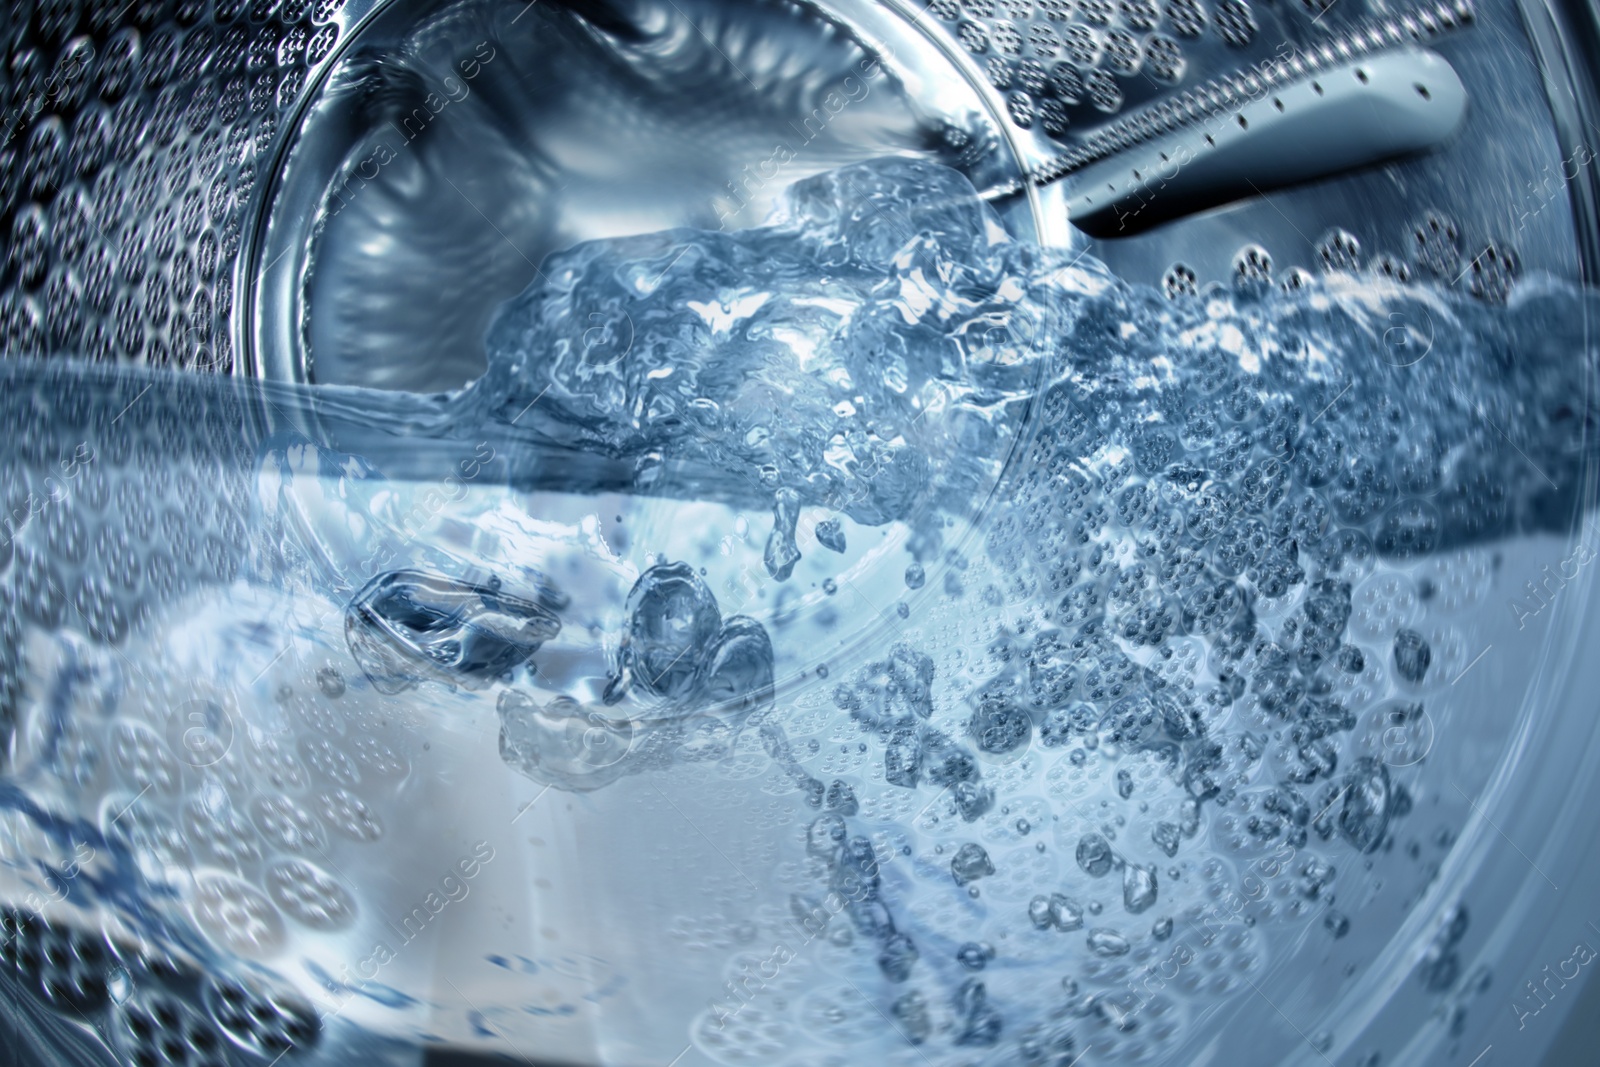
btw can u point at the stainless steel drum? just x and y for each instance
(342, 192)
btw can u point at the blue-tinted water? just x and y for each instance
(1035, 590)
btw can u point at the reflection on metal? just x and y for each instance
(1290, 63)
(1352, 115)
(461, 144)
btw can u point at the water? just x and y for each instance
(1052, 607)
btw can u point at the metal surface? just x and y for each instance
(649, 117)
(202, 187)
(1361, 113)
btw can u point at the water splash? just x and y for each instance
(1148, 537)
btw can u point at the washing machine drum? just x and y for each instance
(664, 531)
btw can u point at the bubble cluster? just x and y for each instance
(1198, 627)
(1221, 556)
